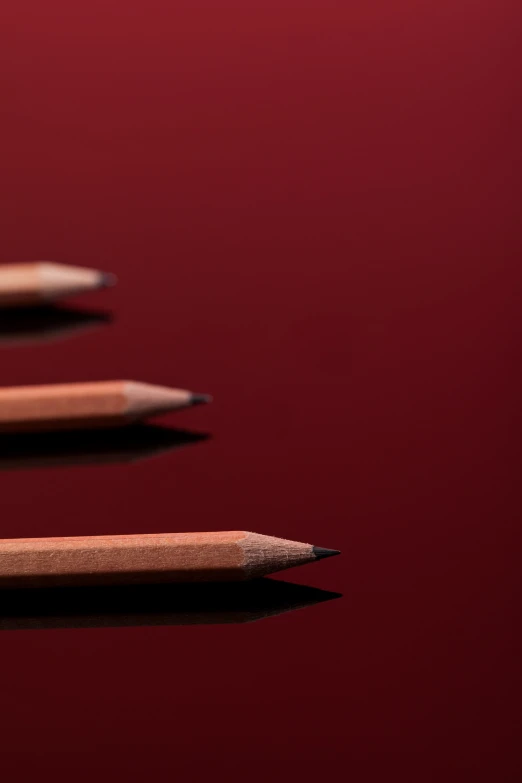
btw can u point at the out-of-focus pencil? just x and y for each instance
(38, 282)
(78, 405)
(149, 558)
(149, 605)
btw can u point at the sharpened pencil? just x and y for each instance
(39, 282)
(79, 405)
(149, 558)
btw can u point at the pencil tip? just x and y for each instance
(320, 552)
(200, 399)
(107, 280)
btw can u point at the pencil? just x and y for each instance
(149, 558)
(150, 605)
(30, 450)
(78, 405)
(38, 282)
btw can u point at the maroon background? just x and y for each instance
(314, 211)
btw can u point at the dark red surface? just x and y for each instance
(314, 212)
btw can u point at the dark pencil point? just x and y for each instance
(320, 552)
(107, 280)
(200, 399)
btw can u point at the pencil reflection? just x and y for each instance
(22, 451)
(148, 605)
(47, 323)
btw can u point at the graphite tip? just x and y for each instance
(200, 399)
(107, 280)
(321, 552)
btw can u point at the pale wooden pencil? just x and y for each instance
(149, 558)
(38, 282)
(97, 404)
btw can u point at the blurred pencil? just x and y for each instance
(78, 405)
(149, 558)
(30, 450)
(149, 605)
(38, 282)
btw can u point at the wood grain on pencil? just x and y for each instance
(76, 405)
(149, 558)
(43, 281)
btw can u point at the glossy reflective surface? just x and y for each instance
(313, 210)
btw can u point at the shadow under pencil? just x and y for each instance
(46, 323)
(24, 451)
(150, 605)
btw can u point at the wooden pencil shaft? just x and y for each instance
(43, 281)
(76, 405)
(147, 558)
